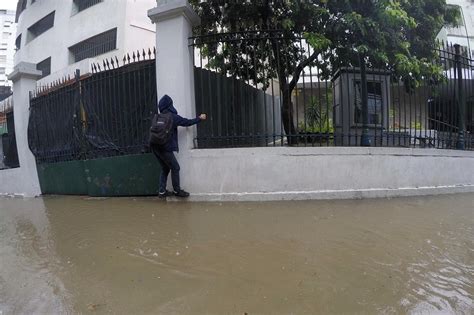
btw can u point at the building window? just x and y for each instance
(18, 42)
(375, 102)
(94, 46)
(2, 70)
(41, 26)
(20, 7)
(84, 4)
(45, 67)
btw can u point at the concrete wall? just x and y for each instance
(319, 173)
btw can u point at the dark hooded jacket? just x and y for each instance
(165, 105)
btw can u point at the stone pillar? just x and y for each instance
(24, 78)
(174, 21)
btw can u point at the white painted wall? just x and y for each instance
(23, 180)
(464, 34)
(285, 173)
(71, 28)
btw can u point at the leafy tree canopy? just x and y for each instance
(397, 35)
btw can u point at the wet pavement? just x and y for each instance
(78, 255)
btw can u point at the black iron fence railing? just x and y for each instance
(106, 113)
(269, 89)
(8, 148)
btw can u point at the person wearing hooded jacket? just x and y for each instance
(164, 153)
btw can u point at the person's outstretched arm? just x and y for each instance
(184, 122)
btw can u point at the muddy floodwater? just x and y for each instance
(79, 255)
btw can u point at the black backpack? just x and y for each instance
(161, 128)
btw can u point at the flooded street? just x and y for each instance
(78, 255)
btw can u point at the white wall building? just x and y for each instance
(7, 45)
(464, 33)
(61, 35)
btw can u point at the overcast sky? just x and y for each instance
(8, 4)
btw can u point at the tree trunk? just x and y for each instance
(287, 117)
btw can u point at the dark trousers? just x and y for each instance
(168, 163)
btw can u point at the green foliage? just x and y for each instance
(415, 125)
(318, 117)
(397, 35)
(394, 34)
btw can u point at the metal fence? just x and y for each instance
(268, 89)
(106, 113)
(8, 147)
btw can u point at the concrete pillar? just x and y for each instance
(24, 78)
(174, 21)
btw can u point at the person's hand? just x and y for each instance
(203, 116)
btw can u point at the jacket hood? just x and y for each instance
(166, 105)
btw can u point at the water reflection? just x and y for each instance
(143, 256)
(29, 267)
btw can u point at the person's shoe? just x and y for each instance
(163, 195)
(181, 193)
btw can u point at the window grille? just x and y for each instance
(20, 7)
(84, 4)
(18, 42)
(94, 46)
(41, 26)
(45, 67)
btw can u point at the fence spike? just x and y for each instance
(144, 54)
(112, 62)
(117, 61)
(124, 59)
(149, 53)
(104, 64)
(128, 58)
(133, 56)
(154, 51)
(107, 63)
(138, 55)
(98, 66)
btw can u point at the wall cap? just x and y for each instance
(25, 70)
(168, 9)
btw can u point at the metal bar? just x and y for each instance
(460, 100)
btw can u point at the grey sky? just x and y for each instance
(8, 4)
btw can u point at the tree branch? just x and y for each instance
(300, 67)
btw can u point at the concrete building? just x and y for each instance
(62, 35)
(7, 50)
(464, 33)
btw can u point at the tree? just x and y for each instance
(395, 34)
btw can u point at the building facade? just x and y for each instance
(7, 50)
(464, 33)
(62, 35)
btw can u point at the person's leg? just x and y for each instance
(169, 159)
(165, 170)
(174, 166)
